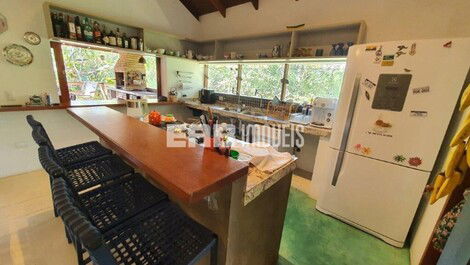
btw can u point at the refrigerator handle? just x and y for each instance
(347, 128)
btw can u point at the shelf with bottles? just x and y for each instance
(65, 24)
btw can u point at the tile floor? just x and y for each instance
(30, 235)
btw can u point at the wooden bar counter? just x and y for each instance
(209, 187)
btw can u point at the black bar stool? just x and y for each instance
(162, 234)
(108, 206)
(68, 155)
(86, 175)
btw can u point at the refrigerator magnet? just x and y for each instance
(418, 113)
(421, 90)
(370, 48)
(448, 44)
(407, 70)
(399, 158)
(413, 49)
(399, 53)
(367, 95)
(415, 161)
(369, 84)
(388, 60)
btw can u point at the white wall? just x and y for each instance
(385, 19)
(193, 72)
(27, 15)
(18, 151)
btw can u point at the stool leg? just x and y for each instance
(214, 253)
(69, 240)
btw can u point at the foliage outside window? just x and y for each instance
(151, 71)
(223, 77)
(89, 72)
(262, 80)
(317, 79)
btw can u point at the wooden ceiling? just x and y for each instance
(202, 7)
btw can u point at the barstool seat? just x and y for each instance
(69, 155)
(87, 174)
(162, 234)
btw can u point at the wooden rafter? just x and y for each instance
(190, 6)
(255, 4)
(220, 6)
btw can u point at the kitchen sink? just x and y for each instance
(253, 113)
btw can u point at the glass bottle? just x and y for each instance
(97, 32)
(112, 39)
(71, 28)
(62, 31)
(78, 28)
(118, 38)
(125, 41)
(105, 36)
(88, 30)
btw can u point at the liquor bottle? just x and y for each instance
(87, 30)
(125, 41)
(62, 29)
(71, 28)
(54, 23)
(78, 28)
(141, 44)
(105, 36)
(118, 38)
(97, 32)
(112, 39)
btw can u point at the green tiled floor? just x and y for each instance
(312, 238)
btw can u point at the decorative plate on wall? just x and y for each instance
(32, 38)
(18, 54)
(3, 24)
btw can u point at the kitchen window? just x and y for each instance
(262, 80)
(316, 79)
(305, 80)
(223, 78)
(87, 76)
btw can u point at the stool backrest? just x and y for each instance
(78, 224)
(46, 157)
(37, 126)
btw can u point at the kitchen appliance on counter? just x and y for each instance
(323, 111)
(207, 96)
(396, 103)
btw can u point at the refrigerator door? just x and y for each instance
(405, 101)
(375, 196)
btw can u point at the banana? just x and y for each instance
(453, 159)
(462, 134)
(436, 186)
(449, 185)
(465, 100)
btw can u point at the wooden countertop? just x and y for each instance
(189, 173)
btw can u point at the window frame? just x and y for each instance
(64, 95)
(283, 82)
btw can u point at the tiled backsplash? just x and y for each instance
(248, 101)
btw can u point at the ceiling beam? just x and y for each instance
(255, 3)
(220, 6)
(191, 8)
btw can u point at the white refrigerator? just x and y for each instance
(395, 105)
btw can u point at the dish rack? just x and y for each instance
(280, 111)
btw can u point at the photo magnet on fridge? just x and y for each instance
(421, 90)
(388, 60)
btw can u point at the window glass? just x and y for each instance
(317, 79)
(151, 71)
(89, 73)
(223, 77)
(262, 80)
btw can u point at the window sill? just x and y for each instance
(31, 108)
